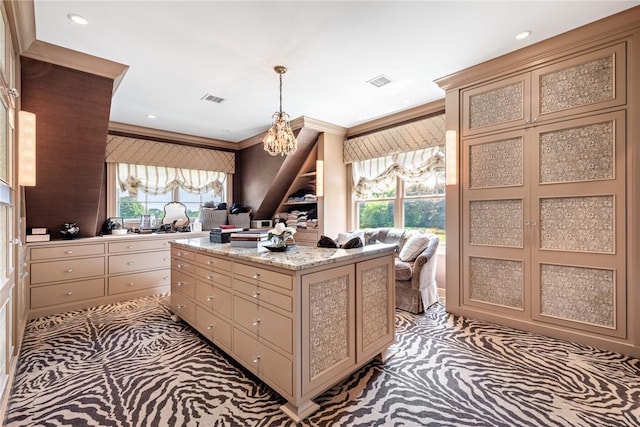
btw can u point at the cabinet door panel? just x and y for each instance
(578, 85)
(328, 326)
(495, 106)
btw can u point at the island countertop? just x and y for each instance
(297, 257)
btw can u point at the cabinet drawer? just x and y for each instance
(261, 295)
(214, 298)
(183, 283)
(183, 254)
(54, 271)
(213, 277)
(183, 307)
(63, 293)
(266, 324)
(214, 328)
(272, 367)
(142, 245)
(69, 251)
(261, 275)
(183, 265)
(138, 281)
(137, 262)
(213, 262)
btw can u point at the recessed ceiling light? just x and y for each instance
(151, 116)
(81, 20)
(523, 35)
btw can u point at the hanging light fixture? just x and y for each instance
(279, 138)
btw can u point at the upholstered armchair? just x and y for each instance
(415, 266)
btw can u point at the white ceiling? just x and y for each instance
(178, 51)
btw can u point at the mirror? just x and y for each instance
(175, 214)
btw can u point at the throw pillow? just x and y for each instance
(414, 247)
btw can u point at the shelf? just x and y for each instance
(315, 202)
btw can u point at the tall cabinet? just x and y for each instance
(539, 200)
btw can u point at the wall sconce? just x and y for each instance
(26, 149)
(319, 178)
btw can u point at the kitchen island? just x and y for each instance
(300, 320)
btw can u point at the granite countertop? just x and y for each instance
(298, 257)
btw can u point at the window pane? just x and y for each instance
(431, 185)
(375, 214)
(193, 202)
(425, 214)
(387, 193)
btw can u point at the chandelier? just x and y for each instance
(279, 138)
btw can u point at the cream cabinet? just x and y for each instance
(75, 274)
(539, 195)
(300, 328)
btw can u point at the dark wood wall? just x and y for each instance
(72, 112)
(255, 171)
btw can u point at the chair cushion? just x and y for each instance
(414, 247)
(404, 270)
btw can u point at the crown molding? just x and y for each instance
(167, 136)
(411, 114)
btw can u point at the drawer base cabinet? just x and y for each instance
(300, 329)
(66, 275)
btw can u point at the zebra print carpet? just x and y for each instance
(129, 364)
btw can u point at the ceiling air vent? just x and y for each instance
(212, 98)
(380, 81)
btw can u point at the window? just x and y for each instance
(145, 190)
(406, 190)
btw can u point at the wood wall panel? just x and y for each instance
(72, 110)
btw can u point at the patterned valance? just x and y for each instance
(143, 152)
(412, 136)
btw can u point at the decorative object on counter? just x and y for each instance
(148, 222)
(175, 216)
(280, 138)
(69, 231)
(281, 236)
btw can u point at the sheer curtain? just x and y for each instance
(161, 179)
(376, 175)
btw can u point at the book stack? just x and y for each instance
(38, 234)
(222, 235)
(249, 239)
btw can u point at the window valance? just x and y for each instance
(161, 179)
(409, 137)
(144, 152)
(376, 175)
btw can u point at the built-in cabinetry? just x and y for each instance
(73, 274)
(538, 235)
(300, 323)
(307, 178)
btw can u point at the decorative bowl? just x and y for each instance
(276, 248)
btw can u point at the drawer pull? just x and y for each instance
(130, 263)
(256, 276)
(210, 298)
(165, 278)
(182, 265)
(209, 276)
(181, 283)
(210, 326)
(69, 270)
(129, 246)
(256, 322)
(69, 252)
(69, 293)
(130, 284)
(180, 306)
(210, 262)
(256, 294)
(256, 359)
